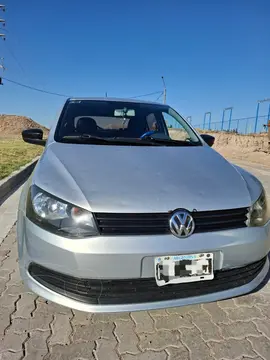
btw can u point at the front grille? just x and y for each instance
(131, 291)
(158, 223)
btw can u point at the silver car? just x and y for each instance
(130, 209)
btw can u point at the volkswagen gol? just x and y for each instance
(129, 208)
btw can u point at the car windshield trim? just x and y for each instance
(100, 110)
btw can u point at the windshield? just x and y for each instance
(110, 120)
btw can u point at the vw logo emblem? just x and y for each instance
(182, 224)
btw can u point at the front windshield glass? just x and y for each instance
(122, 120)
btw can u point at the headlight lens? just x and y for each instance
(58, 216)
(259, 212)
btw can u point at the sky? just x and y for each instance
(213, 54)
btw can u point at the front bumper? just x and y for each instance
(132, 257)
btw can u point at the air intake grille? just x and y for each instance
(132, 291)
(158, 223)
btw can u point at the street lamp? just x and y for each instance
(204, 119)
(230, 117)
(258, 110)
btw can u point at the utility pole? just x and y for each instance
(164, 90)
(3, 36)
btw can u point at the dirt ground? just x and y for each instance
(248, 148)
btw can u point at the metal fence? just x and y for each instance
(240, 126)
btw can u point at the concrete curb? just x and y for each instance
(11, 183)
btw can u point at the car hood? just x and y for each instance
(104, 178)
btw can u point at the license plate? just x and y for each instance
(176, 269)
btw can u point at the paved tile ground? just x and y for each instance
(32, 328)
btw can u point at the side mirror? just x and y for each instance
(209, 139)
(33, 136)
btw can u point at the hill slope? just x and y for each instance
(14, 124)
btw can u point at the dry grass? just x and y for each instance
(14, 153)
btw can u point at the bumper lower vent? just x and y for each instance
(131, 291)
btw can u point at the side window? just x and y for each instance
(176, 130)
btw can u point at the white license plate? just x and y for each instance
(176, 269)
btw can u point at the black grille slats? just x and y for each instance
(220, 220)
(132, 224)
(158, 223)
(128, 291)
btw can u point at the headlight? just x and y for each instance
(58, 216)
(259, 213)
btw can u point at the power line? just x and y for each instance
(34, 88)
(161, 93)
(15, 58)
(153, 93)
(66, 96)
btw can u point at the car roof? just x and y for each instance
(114, 100)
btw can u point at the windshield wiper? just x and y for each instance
(83, 139)
(90, 139)
(171, 142)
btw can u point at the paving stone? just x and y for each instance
(244, 313)
(228, 303)
(15, 289)
(158, 312)
(143, 321)
(159, 340)
(125, 334)
(49, 307)
(73, 352)
(4, 321)
(251, 300)
(266, 289)
(173, 321)
(8, 301)
(110, 317)
(12, 342)
(238, 330)
(261, 345)
(2, 285)
(4, 274)
(8, 355)
(9, 263)
(19, 325)
(179, 353)
(263, 326)
(232, 349)
(41, 321)
(3, 254)
(93, 332)
(36, 346)
(15, 278)
(25, 305)
(61, 330)
(81, 318)
(218, 315)
(265, 310)
(106, 349)
(148, 355)
(209, 330)
(183, 310)
(198, 349)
